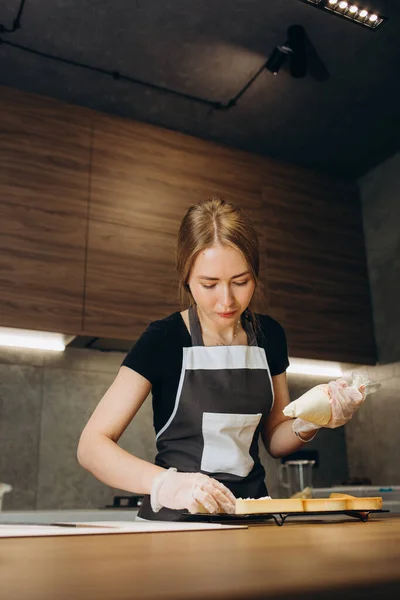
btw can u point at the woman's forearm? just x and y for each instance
(114, 466)
(284, 441)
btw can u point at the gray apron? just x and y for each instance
(224, 395)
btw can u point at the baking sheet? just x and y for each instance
(106, 527)
(278, 518)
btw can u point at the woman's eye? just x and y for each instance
(241, 282)
(209, 287)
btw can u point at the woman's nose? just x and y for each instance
(226, 297)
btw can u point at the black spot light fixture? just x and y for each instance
(358, 13)
(277, 58)
(298, 50)
(301, 55)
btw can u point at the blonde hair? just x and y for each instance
(210, 222)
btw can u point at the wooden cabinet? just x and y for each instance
(91, 205)
(314, 276)
(316, 267)
(143, 180)
(44, 183)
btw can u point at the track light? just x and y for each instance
(303, 57)
(359, 15)
(277, 58)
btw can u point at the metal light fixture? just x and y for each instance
(277, 58)
(301, 54)
(352, 11)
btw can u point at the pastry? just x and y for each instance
(355, 503)
(245, 506)
(324, 504)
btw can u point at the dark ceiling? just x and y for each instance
(210, 49)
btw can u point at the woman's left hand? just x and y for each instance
(345, 400)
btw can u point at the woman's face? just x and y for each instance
(221, 283)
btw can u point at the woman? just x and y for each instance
(217, 375)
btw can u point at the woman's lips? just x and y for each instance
(227, 315)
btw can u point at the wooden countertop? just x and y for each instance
(341, 559)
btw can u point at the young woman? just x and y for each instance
(218, 381)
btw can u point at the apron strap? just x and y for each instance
(248, 326)
(195, 328)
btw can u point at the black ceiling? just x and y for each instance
(210, 49)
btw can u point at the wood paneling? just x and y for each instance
(313, 264)
(139, 169)
(44, 188)
(41, 269)
(44, 153)
(317, 270)
(143, 181)
(130, 279)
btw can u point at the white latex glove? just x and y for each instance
(194, 491)
(344, 400)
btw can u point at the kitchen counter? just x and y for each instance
(336, 559)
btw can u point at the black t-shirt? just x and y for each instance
(157, 356)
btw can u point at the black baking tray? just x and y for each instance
(278, 518)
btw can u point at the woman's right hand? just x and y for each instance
(194, 491)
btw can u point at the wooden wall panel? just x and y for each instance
(143, 180)
(317, 271)
(310, 229)
(44, 153)
(137, 167)
(41, 269)
(130, 279)
(44, 188)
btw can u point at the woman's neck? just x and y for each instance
(225, 335)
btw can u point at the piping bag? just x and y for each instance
(314, 406)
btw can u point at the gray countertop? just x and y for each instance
(50, 516)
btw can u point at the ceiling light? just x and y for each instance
(356, 14)
(322, 368)
(301, 54)
(37, 340)
(277, 58)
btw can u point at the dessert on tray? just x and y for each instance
(246, 506)
(356, 503)
(335, 502)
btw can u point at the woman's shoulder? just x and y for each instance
(164, 327)
(268, 324)
(167, 322)
(158, 345)
(271, 336)
(158, 342)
